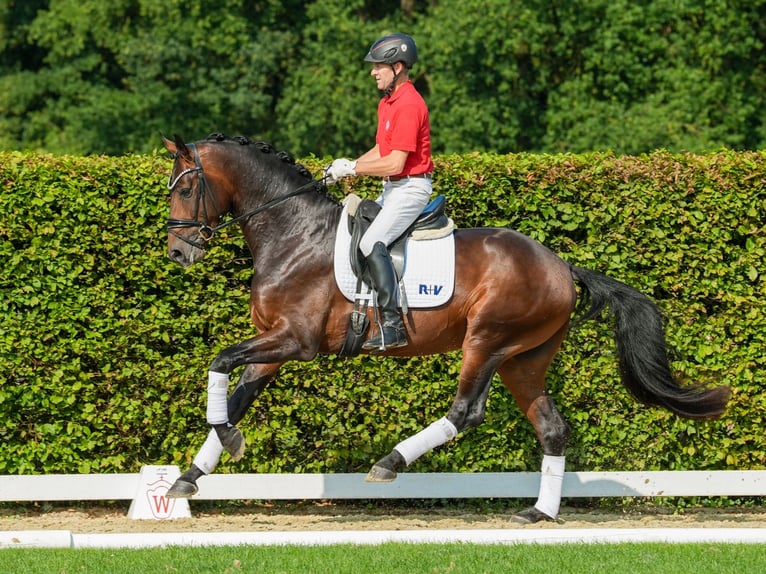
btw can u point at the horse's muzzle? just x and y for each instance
(185, 255)
(179, 257)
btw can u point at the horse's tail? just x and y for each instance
(641, 350)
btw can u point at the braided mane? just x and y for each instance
(284, 156)
(263, 147)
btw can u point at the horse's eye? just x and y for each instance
(185, 192)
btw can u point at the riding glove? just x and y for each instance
(339, 169)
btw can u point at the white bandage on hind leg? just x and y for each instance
(551, 483)
(429, 438)
(217, 393)
(208, 456)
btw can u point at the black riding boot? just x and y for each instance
(392, 332)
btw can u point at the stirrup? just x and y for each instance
(390, 336)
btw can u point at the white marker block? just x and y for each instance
(150, 502)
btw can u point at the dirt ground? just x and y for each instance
(335, 516)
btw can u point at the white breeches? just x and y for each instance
(402, 201)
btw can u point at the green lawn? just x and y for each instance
(398, 558)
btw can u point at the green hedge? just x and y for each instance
(105, 344)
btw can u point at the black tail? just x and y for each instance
(643, 359)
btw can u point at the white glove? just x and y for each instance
(339, 169)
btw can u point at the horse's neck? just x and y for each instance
(279, 235)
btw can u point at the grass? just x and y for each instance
(397, 558)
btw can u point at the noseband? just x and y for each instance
(205, 231)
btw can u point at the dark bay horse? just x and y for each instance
(509, 313)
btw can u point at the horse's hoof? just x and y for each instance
(236, 445)
(232, 441)
(380, 474)
(531, 516)
(386, 468)
(182, 489)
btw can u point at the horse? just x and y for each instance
(512, 305)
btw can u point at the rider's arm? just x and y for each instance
(372, 164)
(371, 154)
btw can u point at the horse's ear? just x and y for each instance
(169, 144)
(177, 147)
(181, 148)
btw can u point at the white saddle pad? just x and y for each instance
(429, 269)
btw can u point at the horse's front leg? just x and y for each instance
(252, 381)
(274, 346)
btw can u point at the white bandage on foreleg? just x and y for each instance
(551, 482)
(437, 433)
(208, 456)
(217, 393)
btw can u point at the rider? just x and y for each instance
(402, 156)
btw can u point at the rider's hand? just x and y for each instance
(339, 169)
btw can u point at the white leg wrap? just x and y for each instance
(208, 456)
(217, 393)
(429, 438)
(551, 482)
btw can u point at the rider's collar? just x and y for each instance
(397, 92)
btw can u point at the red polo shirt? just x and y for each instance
(403, 125)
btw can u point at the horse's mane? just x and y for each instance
(286, 157)
(263, 147)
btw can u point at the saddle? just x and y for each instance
(432, 223)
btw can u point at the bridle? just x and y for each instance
(206, 232)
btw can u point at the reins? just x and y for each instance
(206, 232)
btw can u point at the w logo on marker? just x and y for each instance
(429, 289)
(160, 505)
(151, 501)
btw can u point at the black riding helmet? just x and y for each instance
(390, 50)
(393, 48)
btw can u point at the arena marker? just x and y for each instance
(150, 502)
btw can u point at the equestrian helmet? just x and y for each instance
(393, 48)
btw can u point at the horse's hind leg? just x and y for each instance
(524, 376)
(467, 411)
(253, 380)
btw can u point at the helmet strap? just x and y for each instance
(392, 86)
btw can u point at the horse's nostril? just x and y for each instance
(176, 255)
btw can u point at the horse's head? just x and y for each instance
(196, 202)
(240, 177)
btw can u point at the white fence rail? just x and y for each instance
(74, 487)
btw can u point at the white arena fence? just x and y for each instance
(146, 491)
(108, 487)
